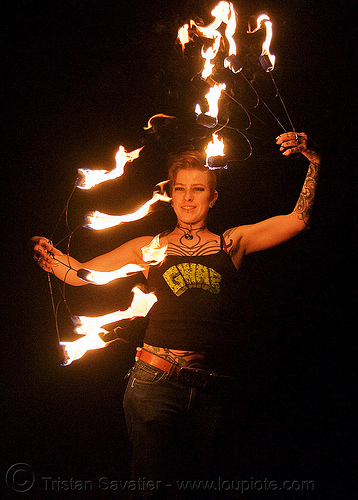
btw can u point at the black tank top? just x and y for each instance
(195, 295)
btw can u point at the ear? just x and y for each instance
(214, 198)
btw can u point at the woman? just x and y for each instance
(177, 390)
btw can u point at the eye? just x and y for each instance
(178, 188)
(199, 189)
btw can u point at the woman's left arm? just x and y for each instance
(275, 230)
(306, 198)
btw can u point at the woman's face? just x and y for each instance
(191, 196)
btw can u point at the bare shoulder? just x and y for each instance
(233, 236)
(234, 243)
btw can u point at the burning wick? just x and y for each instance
(206, 120)
(217, 162)
(267, 60)
(215, 157)
(232, 62)
(210, 119)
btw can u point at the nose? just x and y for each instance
(188, 195)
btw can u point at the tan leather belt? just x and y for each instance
(193, 377)
(158, 362)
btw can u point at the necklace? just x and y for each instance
(187, 232)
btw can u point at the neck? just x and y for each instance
(188, 228)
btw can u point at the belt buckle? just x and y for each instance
(196, 377)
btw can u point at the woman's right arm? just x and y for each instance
(65, 267)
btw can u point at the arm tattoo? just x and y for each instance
(229, 246)
(305, 201)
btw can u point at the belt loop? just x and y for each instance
(172, 369)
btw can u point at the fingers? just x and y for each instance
(44, 253)
(291, 137)
(46, 264)
(292, 142)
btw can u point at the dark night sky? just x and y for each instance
(81, 78)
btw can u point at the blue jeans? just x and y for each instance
(174, 429)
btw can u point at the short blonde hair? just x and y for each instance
(191, 160)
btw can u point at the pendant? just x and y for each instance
(188, 236)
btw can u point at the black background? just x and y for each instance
(79, 79)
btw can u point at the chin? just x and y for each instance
(188, 218)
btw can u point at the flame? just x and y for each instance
(98, 220)
(215, 147)
(160, 187)
(89, 178)
(223, 12)
(210, 31)
(183, 35)
(155, 252)
(231, 61)
(212, 98)
(220, 12)
(91, 327)
(267, 42)
(231, 29)
(104, 277)
(267, 59)
(209, 55)
(259, 20)
(159, 115)
(76, 349)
